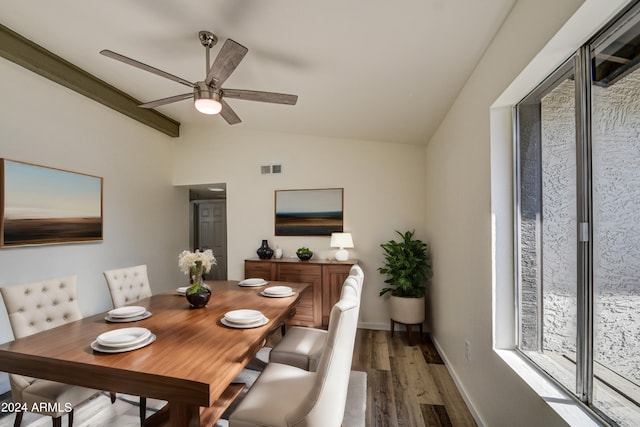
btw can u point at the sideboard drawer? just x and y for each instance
(259, 270)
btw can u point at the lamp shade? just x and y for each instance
(342, 241)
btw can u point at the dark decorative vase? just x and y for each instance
(264, 251)
(200, 298)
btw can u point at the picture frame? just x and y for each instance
(41, 205)
(309, 212)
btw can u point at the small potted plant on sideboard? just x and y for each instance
(304, 253)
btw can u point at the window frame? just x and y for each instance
(581, 61)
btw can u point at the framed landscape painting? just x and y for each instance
(41, 205)
(308, 212)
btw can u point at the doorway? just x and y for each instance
(208, 230)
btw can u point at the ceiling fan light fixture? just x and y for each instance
(208, 106)
(206, 101)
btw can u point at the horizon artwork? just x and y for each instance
(43, 205)
(308, 212)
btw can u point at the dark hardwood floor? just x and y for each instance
(407, 385)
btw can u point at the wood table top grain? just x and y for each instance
(192, 361)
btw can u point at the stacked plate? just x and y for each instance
(182, 290)
(129, 313)
(278, 292)
(253, 282)
(244, 319)
(124, 339)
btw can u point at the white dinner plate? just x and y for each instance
(260, 322)
(123, 337)
(243, 316)
(266, 294)
(253, 282)
(127, 311)
(182, 290)
(103, 349)
(127, 319)
(278, 290)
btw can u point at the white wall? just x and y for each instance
(145, 217)
(462, 215)
(384, 188)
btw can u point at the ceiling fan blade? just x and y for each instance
(228, 114)
(165, 101)
(254, 95)
(146, 67)
(227, 60)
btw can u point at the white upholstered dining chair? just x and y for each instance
(301, 346)
(126, 286)
(285, 396)
(35, 307)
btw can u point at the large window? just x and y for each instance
(578, 223)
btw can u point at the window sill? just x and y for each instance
(572, 412)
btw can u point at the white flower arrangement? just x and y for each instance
(187, 261)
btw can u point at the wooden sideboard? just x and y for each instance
(326, 278)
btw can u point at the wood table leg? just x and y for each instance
(206, 417)
(209, 416)
(159, 418)
(184, 414)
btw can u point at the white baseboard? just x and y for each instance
(461, 388)
(374, 326)
(383, 326)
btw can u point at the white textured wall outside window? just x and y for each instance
(616, 241)
(616, 193)
(616, 225)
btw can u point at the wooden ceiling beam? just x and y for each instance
(33, 57)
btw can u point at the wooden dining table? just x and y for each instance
(191, 364)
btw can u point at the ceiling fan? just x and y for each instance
(208, 95)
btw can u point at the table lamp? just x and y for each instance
(342, 241)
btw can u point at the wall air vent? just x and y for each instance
(268, 169)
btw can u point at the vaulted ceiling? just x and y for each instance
(363, 69)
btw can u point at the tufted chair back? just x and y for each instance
(352, 282)
(38, 306)
(357, 272)
(128, 285)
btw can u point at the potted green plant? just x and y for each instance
(304, 253)
(407, 265)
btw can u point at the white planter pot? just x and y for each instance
(409, 311)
